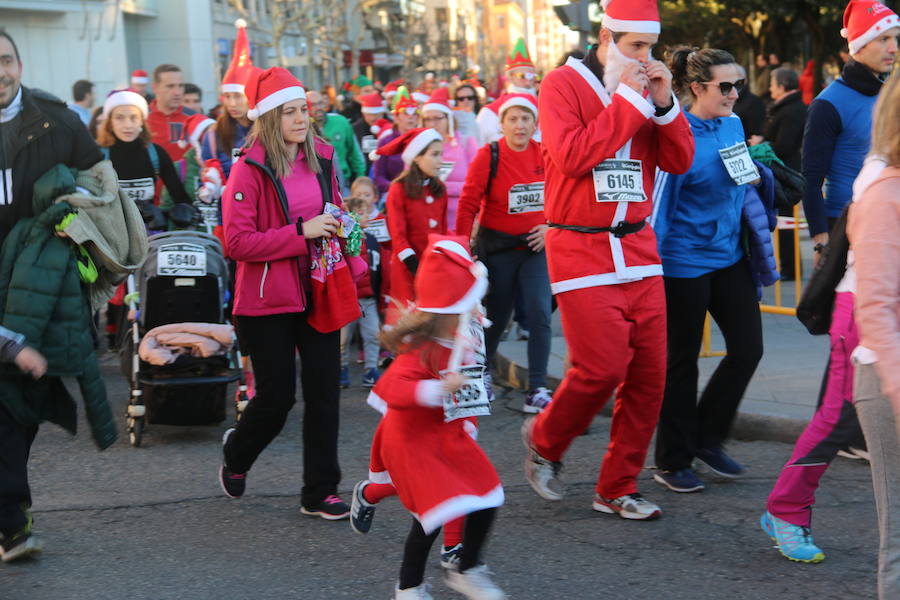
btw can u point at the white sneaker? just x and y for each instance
(474, 584)
(854, 454)
(631, 506)
(420, 592)
(542, 474)
(537, 400)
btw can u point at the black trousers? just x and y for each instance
(686, 425)
(15, 495)
(271, 342)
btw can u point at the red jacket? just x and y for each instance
(582, 127)
(526, 167)
(410, 220)
(270, 255)
(169, 131)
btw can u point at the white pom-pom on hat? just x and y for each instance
(240, 24)
(844, 33)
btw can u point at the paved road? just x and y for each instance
(151, 523)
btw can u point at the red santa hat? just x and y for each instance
(526, 101)
(420, 97)
(241, 64)
(631, 16)
(448, 280)
(440, 101)
(372, 104)
(381, 126)
(270, 89)
(864, 20)
(197, 123)
(518, 57)
(125, 98)
(140, 77)
(411, 144)
(390, 90)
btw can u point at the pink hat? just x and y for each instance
(140, 76)
(448, 281)
(125, 98)
(196, 125)
(270, 89)
(864, 20)
(631, 16)
(523, 100)
(241, 66)
(411, 144)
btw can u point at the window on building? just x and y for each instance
(440, 16)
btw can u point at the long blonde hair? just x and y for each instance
(267, 130)
(886, 123)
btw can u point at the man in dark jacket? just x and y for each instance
(752, 112)
(37, 132)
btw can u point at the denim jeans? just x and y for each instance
(526, 272)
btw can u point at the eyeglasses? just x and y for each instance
(434, 119)
(726, 86)
(465, 98)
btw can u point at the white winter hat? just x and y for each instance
(125, 98)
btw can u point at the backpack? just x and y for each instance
(817, 301)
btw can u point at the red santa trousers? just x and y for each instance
(616, 336)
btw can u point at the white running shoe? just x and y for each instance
(474, 584)
(630, 506)
(542, 474)
(420, 592)
(537, 400)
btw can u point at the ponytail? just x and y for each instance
(692, 66)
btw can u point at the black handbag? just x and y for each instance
(817, 301)
(490, 241)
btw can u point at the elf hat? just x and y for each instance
(125, 98)
(241, 64)
(440, 101)
(631, 16)
(448, 280)
(196, 125)
(372, 104)
(403, 102)
(411, 144)
(518, 57)
(864, 20)
(140, 76)
(380, 126)
(270, 89)
(523, 100)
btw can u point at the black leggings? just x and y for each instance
(418, 545)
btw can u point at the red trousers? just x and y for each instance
(616, 336)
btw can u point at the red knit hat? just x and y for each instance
(524, 100)
(448, 281)
(197, 123)
(270, 89)
(518, 57)
(241, 64)
(140, 76)
(865, 20)
(372, 104)
(411, 144)
(631, 16)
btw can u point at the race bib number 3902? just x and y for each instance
(619, 180)
(738, 163)
(526, 198)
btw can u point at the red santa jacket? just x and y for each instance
(410, 220)
(583, 126)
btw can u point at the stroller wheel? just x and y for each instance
(135, 431)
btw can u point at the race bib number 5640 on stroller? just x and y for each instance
(181, 260)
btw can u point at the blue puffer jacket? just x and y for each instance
(759, 219)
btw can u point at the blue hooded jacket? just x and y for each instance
(759, 219)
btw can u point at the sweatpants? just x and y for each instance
(272, 342)
(520, 274)
(616, 336)
(833, 426)
(369, 327)
(686, 424)
(878, 423)
(15, 495)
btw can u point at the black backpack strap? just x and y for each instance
(325, 180)
(495, 161)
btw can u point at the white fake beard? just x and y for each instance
(514, 89)
(615, 65)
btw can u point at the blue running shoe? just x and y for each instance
(370, 378)
(794, 542)
(682, 480)
(345, 377)
(720, 463)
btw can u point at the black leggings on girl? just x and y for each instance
(418, 545)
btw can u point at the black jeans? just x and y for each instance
(15, 495)
(686, 425)
(271, 342)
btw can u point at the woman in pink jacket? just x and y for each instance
(272, 212)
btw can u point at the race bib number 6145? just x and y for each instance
(619, 180)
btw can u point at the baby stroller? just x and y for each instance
(183, 280)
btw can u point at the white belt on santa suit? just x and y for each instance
(616, 231)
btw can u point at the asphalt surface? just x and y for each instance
(152, 523)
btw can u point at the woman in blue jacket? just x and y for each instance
(698, 226)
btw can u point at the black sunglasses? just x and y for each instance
(726, 86)
(464, 98)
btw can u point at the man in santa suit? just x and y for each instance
(608, 121)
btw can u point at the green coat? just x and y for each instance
(42, 298)
(339, 134)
